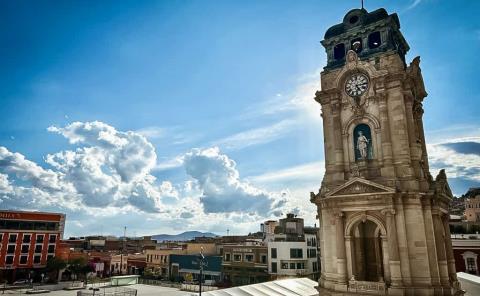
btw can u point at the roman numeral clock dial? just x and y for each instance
(356, 85)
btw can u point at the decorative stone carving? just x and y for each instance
(359, 186)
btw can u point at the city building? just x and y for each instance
(293, 250)
(27, 241)
(383, 217)
(466, 249)
(245, 264)
(268, 229)
(472, 209)
(187, 268)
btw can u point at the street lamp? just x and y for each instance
(202, 263)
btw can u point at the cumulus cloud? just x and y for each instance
(108, 169)
(222, 189)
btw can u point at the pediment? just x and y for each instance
(360, 186)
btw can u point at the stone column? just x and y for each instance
(440, 246)
(449, 250)
(393, 252)
(386, 141)
(341, 252)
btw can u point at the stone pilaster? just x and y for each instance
(340, 245)
(449, 250)
(440, 247)
(393, 252)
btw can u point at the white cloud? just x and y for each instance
(414, 4)
(257, 136)
(308, 171)
(223, 190)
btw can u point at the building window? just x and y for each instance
(39, 238)
(237, 257)
(300, 265)
(249, 257)
(49, 257)
(274, 253)
(51, 248)
(52, 238)
(26, 238)
(263, 259)
(23, 259)
(36, 259)
(9, 260)
(292, 265)
(284, 265)
(311, 253)
(38, 248)
(11, 249)
(470, 262)
(274, 267)
(471, 266)
(374, 40)
(25, 249)
(12, 238)
(296, 253)
(356, 45)
(314, 266)
(339, 51)
(227, 256)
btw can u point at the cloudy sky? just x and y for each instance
(167, 116)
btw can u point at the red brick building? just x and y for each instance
(27, 241)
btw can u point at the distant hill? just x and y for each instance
(185, 236)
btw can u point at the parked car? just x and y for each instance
(21, 282)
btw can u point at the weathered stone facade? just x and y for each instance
(383, 218)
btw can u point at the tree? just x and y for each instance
(54, 265)
(76, 266)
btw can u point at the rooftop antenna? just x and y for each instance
(362, 4)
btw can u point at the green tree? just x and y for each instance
(54, 265)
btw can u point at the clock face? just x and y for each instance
(356, 85)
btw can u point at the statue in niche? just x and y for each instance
(362, 145)
(362, 142)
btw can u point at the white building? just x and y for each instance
(292, 251)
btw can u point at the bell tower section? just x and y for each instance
(383, 218)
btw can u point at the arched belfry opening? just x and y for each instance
(367, 253)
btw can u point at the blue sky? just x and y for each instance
(128, 112)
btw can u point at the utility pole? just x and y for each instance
(202, 263)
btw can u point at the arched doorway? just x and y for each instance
(367, 252)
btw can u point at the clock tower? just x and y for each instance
(383, 217)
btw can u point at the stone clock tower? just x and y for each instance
(384, 219)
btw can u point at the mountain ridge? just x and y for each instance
(184, 236)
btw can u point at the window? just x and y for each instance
(11, 249)
(274, 267)
(292, 265)
(51, 248)
(471, 267)
(38, 248)
(263, 259)
(314, 266)
(25, 249)
(296, 253)
(12, 238)
(374, 40)
(356, 43)
(274, 253)
(52, 238)
(284, 265)
(39, 238)
(26, 238)
(227, 256)
(311, 253)
(339, 51)
(23, 259)
(300, 265)
(249, 257)
(36, 259)
(49, 257)
(237, 257)
(9, 259)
